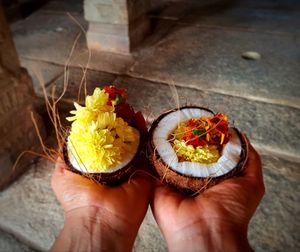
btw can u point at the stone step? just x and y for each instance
(76, 78)
(41, 73)
(267, 125)
(232, 15)
(272, 21)
(31, 213)
(75, 7)
(288, 5)
(211, 59)
(57, 38)
(276, 222)
(29, 209)
(203, 56)
(10, 243)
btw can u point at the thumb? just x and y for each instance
(68, 186)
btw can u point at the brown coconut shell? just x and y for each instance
(114, 178)
(185, 183)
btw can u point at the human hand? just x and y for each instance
(98, 217)
(217, 219)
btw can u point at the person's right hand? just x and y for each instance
(215, 220)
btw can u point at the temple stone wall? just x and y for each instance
(17, 132)
(116, 25)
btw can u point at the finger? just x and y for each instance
(59, 180)
(254, 161)
(253, 169)
(67, 184)
(58, 174)
(61, 175)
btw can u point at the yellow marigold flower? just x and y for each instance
(106, 120)
(95, 104)
(98, 101)
(123, 131)
(96, 149)
(98, 139)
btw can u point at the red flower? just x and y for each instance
(125, 111)
(119, 94)
(193, 123)
(139, 122)
(118, 98)
(191, 139)
(196, 141)
(207, 130)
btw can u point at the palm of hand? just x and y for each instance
(231, 202)
(125, 204)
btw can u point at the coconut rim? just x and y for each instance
(105, 176)
(154, 153)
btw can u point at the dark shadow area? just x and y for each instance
(19, 9)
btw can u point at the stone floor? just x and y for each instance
(194, 51)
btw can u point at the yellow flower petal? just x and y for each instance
(98, 138)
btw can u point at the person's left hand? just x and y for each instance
(110, 215)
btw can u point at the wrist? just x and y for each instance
(209, 235)
(90, 229)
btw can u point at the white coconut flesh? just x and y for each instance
(125, 159)
(229, 157)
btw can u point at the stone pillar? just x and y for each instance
(116, 25)
(17, 131)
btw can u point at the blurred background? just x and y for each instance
(240, 57)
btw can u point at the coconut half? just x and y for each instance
(106, 136)
(117, 174)
(192, 177)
